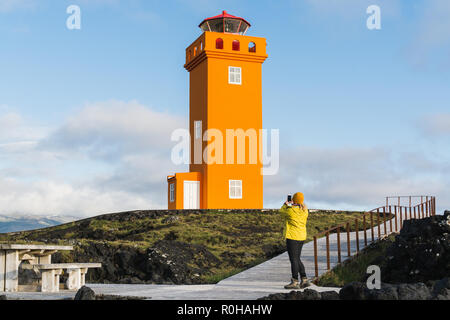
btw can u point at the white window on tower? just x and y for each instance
(234, 75)
(235, 189)
(172, 192)
(198, 129)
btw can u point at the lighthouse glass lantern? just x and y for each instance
(225, 23)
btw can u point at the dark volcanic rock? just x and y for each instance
(421, 251)
(293, 295)
(359, 291)
(169, 261)
(330, 295)
(416, 291)
(354, 291)
(441, 289)
(307, 294)
(403, 291)
(387, 292)
(85, 293)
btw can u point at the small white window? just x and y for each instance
(172, 192)
(198, 129)
(234, 75)
(235, 187)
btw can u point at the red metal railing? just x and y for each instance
(425, 208)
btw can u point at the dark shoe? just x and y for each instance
(304, 283)
(293, 285)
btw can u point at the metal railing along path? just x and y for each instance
(374, 224)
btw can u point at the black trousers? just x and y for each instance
(294, 249)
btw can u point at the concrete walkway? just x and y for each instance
(264, 279)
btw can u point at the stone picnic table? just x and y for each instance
(11, 255)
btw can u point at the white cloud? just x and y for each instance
(16, 134)
(46, 197)
(356, 178)
(11, 5)
(436, 124)
(109, 156)
(112, 129)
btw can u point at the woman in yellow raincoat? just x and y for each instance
(296, 215)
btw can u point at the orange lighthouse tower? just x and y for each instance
(225, 100)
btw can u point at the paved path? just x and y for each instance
(264, 279)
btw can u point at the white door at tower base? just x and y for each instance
(191, 195)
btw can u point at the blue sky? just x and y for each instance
(86, 115)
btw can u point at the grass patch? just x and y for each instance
(218, 276)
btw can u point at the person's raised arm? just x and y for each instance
(285, 209)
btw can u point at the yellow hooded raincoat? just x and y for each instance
(295, 222)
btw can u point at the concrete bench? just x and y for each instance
(51, 273)
(11, 256)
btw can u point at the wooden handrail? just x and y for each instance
(427, 208)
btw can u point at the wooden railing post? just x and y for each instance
(395, 214)
(434, 206)
(348, 239)
(316, 266)
(328, 250)
(415, 212)
(371, 226)
(365, 229)
(378, 223)
(357, 235)
(384, 219)
(339, 243)
(390, 220)
(401, 218)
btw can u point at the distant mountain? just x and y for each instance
(23, 223)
